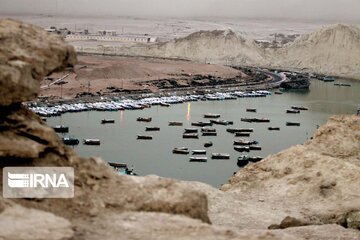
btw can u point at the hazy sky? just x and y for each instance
(303, 9)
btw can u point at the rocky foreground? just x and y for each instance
(309, 191)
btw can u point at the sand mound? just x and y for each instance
(331, 50)
(219, 46)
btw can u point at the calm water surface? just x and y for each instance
(119, 144)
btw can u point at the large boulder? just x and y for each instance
(27, 54)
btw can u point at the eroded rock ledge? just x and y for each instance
(315, 183)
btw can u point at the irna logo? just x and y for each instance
(38, 182)
(33, 180)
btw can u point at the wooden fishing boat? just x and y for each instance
(144, 119)
(91, 141)
(224, 156)
(191, 130)
(175, 123)
(181, 150)
(104, 121)
(198, 159)
(190, 135)
(144, 137)
(292, 124)
(208, 144)
(211, 115)
(198, 152)
(149, 129)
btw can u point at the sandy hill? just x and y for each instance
(331, 50)
(219, 46)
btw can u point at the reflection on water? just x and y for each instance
(119, 144)
(188, 112)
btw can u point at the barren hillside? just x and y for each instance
(333, 50)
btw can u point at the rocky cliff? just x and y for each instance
(307, 192)
(333, 50)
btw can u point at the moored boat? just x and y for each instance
(70, 141)
(190, 135)
(243, 160)
(292, 111)
(201, 124)
(198, 159)
(208, 144)
(198, 152)
(91, 141)
(211, 115)
(255, 147)
(181, 150)
(220, 156)
(221, 122)
(61, 129)
(148, 129)
(104, 121)
(239, 130)
(122, 168)
(242, 148)
(278, 92)
(299, 108)
(175, 123)
(245, 142)
(190, 130)
(251, 109)
(164, 104)
(209, 134)
(274, 128)
(292, 124)
(144, 119)
(242, 134)
(257, 120)
(144, 137)
(205, 129)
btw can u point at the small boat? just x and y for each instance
(242, 134)
(239, 130)
(204, 129)
(198, 159)
(292, 124)
(71, 141)
(144, 119)
(278, 92)
(251, 109)
(255, 147)
(181, 150)
(190, 135)
(61, 129)
(190, 130)
(148, 129)
(175, 123)
(104, 121)
(201, 124)
(198, 152)
(299, 108)
(211, 115)
(44, 119)
(122, 169)
(243, 160)
(144, 137)
(222, 122)
(328, 79)
(292, 111)
(242, 148)
(91, 141)
(274, 128)
(208, 144)
(209, 134)
(220, 156)
(257, 120)
(245, 142)
(163, 104)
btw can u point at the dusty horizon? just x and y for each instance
(324, 10)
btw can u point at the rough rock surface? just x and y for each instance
(19, 223)
(27, 54)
